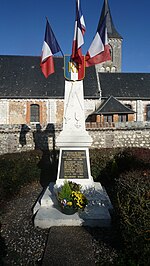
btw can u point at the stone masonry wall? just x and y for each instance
(127, 135)
(17, 138)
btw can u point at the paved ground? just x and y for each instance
(69, 246)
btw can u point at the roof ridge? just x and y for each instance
(112, 105)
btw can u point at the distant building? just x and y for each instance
(110, 96)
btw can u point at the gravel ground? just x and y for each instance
(22, 244)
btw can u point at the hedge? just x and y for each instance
(16, 170)
(125, 173)
(133, 212)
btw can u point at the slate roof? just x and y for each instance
(112, 32)
(21, 77)
(125, 85)
(113, 106)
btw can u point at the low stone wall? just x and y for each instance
(17, 138)
(120, 137)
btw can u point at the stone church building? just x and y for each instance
(26, 97)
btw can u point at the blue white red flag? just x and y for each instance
(99, 50)
(79, 30)
(50, 47)
(82, 22)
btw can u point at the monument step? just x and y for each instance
(96, 213)
(51, 216)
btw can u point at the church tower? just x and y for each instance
(115, 42)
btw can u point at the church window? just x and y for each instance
(102, 69)
(34, 113)
(111, 51)
(107, 69)
(113, 69)
(148, 112)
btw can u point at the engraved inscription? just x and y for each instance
(73, 164)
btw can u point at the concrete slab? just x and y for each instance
(96, 214)
(68, 246)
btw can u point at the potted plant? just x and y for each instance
(70, 197)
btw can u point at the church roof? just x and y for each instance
(125, 85)
(21, 77)
(113, 106)
(112, 32)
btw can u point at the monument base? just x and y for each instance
(95, 214)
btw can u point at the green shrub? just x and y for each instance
(133, 209)
(125, 173)
(17, 169)
(130, 159)
(100, 158)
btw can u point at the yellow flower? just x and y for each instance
(79, 199)
(69, 203)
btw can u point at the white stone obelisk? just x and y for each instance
(74, 136)
(74, 133)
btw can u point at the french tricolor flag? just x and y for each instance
(50, 47)
(99, 50)
(82, 22)
(79, 30)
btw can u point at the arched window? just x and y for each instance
(113, 69)
(107, 69)
(102, 69)
(111, 51)
(34, 113)
(148, 112)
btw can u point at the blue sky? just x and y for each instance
(22, 27)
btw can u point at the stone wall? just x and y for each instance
(130, 134)
(17, 138)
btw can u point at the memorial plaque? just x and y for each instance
(73, 164)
